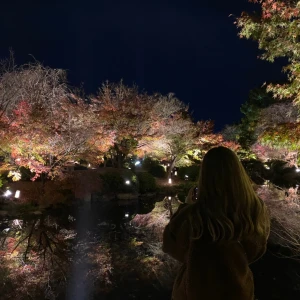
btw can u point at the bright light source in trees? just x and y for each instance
(7, 193)
(89, 165)
(298, 170)
(170, 197)
(137, 163)
(175, 173)
(267, 167)
(17, 194)
(127, 215)
(127, 182)
(170, 180)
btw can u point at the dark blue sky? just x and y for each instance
(187, 47)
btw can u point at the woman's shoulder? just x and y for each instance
(183, 211)
(181, 216)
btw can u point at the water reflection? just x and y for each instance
(59, 249)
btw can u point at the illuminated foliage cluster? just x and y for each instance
(282, 136)
(276, 28)
(44, 123)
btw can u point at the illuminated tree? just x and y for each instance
(278, 113)
(125, 113)
(183, 142)
(134, 119)
(270, 151)
(276, 28)
(40, 86)
(276, 133)
(42, 124)
(177, 136)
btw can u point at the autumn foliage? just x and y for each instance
(45, 124)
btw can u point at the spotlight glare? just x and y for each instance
(7, 193)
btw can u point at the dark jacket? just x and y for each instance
(211, 270)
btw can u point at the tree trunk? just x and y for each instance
(43, 179)
(120, 160)
(172, 165)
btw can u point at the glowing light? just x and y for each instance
(137, 163)
(168, 165)
(298, 170)
(89, 165)
(267, 167)
(175, 173)
(17, 194)
(127, 182)
(7, 193)
(17, 222)
(127, 215)
(170, 197)
(170, 180)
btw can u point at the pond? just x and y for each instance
(81, 252)
(93, 251)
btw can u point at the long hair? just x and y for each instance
(227, 207)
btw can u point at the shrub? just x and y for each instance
(149, 162)
(191, 171)
(153, 167)
(158, 171)
(147, 182)
(112, 182)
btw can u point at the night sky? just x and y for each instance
(190, 48)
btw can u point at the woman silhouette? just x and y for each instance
(219, 233)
